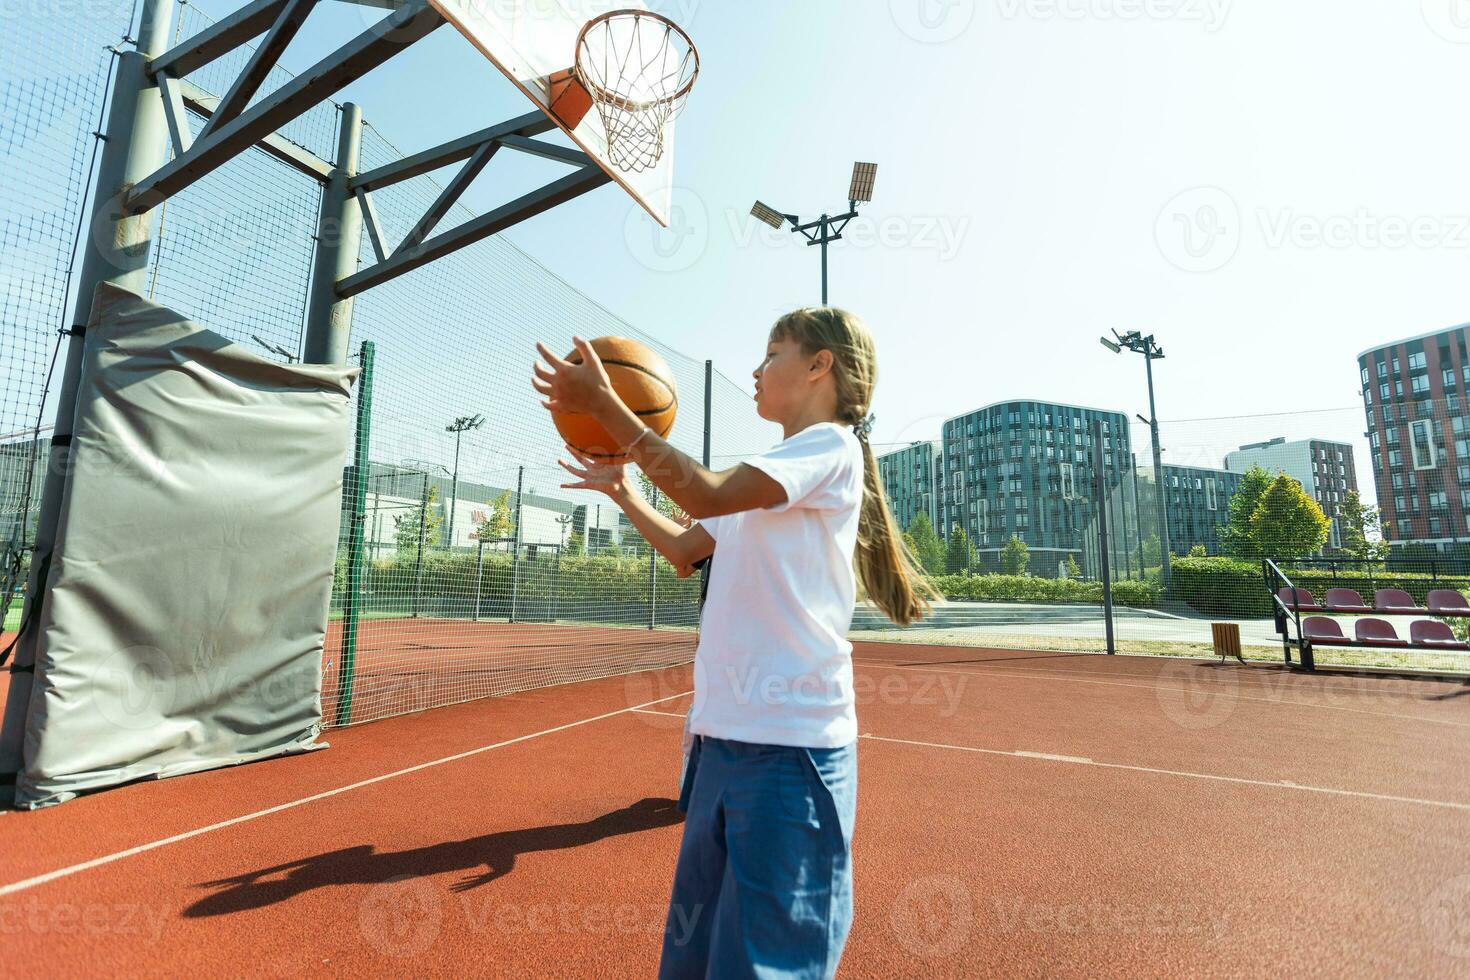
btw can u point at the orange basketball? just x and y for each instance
(641, 379)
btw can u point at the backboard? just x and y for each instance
(534, 43)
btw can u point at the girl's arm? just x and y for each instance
(700, 491)
(681, 546)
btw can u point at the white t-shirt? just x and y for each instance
(774, 665)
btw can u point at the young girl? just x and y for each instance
(763, 884)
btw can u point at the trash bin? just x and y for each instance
(1227, 640)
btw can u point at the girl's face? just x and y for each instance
(783, 381)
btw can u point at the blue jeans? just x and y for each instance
(763, 887)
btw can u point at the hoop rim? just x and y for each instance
(603, 94)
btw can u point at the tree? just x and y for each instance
(1015, 557)
(1359, 528)
(927, 547)
(1288, 523)
(1238, 535)
(1153, 555)
(960, 554)
(1074, 571)
(575, 543)
(500, 523)
(406, 527)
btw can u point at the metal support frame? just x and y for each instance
(338, 244)
(116, 248)
(356, 58)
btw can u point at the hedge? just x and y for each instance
(1026, 588)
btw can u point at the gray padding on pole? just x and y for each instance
(186, 604)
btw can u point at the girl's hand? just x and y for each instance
(576, 388)
(608, 478)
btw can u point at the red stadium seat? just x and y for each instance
(1448, 602)
(1346, 601)
(1397, 602)
(1299, 600)
(1324, 630)
(1379, 633)
(1433, 633)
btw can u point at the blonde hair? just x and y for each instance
(885, 568)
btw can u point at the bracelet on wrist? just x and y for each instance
(637, 439)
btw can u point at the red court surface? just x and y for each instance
(1020, 813)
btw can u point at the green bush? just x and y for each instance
(1027, 588)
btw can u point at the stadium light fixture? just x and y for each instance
(827, 228)
(1110, 345)
(767, 214)
(861, 188)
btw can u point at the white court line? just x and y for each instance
(1078, 761)
(1063, 675)
(19, 886)
(668, 714)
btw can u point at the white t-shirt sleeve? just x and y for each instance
(813, 467)
(711, 526)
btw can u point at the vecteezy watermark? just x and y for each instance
(1196, 696)
(401, 917)
(1101, 918)
(1199, 230)
(932, 916)
(944, 234)
(1288, 228)
(1449, 19)
(1210, 14)
(671, 249)
(1446, 917)
(1202, 230)
(752, 686)
(136, 687)
(932, 21)
(31, 916)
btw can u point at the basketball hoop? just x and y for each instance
(638, 67)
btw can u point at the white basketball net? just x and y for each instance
(638, 67)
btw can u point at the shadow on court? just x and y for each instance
(362, 865)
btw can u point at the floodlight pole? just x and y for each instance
(1151, 351)
(459, 427)
(823, 231)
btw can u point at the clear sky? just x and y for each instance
(1269, 187)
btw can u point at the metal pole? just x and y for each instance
(479, 577)
(709, 396)
(1153, 424)
(361, 466)
(1138, 525)
(116, 249)
(338, 241)
(418, 575)
(515, 554)
(824, 260)
(653, 574)
(1102, 533)
(453, 489)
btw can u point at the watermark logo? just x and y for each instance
(933, 916)
(932, 21)
(1196, 697)
(401, 917)
(1199, 230)
(1446, 917)
(1210, 14)
(1448, 19)
(671, 249)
